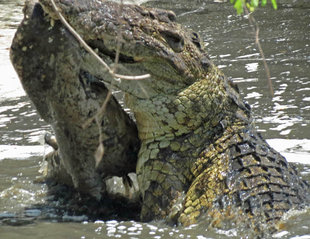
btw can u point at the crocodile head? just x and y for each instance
(185, 89)
(149, 41)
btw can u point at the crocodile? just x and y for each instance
(201, 157)
(48, 62)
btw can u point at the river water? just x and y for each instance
(284, 119)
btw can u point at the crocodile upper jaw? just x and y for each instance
(148, 37)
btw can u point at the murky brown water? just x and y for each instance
(284, 119)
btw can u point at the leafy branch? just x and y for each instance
(248, 6)
(251, 5)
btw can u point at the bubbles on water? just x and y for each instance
(154, 230)
(113, 230)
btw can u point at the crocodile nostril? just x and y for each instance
(37, 11)
(175, 41)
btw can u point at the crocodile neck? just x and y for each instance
(179, 127)
(192, 109)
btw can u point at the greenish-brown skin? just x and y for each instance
(200, 152)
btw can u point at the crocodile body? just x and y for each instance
(200, 153)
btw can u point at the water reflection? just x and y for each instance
(9, 85)
(19, 123)
(251, 67)
(22, 152)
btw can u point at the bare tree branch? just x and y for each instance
(254, 23)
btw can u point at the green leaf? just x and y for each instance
(254, 3)
(251, 4)
(248, 5)
(239, 6)
(274, 4)
(264, 2)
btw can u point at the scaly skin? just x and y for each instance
(196, 133)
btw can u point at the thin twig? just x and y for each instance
(261, 52)
(263, 56)
(91, 51)
(119, 36)
(100, 149)
(102, 109)
(99, 115)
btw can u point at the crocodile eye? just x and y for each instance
(162, 15)
(196, 39)
(171, 15)
(175, 41)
